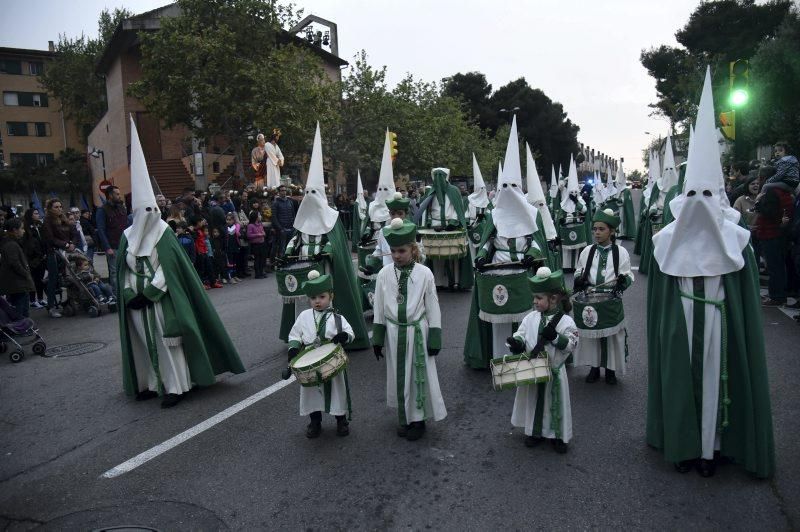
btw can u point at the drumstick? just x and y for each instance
(306, 257)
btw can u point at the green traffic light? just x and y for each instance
(739, 97)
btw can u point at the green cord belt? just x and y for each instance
(419, 358)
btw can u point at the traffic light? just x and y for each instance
(739, 82)
(728, 124)
(393, 144)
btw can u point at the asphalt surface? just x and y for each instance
(65, 422)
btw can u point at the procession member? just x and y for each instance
(553, 194)
(572, 220)
(599, 194)
(382, 256)
(546, 234)
(478, 208)
(543, 410)
(606, 268)
(442, 209)
(653, 173)
(313, 327)
(320, 241)
(407, 324)
(359, 214)
(627, 224)
(707, 375)
(506, 254)
(655, 219)
(677, 190)
(170, 334)
(378, 212)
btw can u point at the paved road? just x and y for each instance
(65, 422)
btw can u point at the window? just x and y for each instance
(42, 129)
(17, 129)
(215, 167)
(26, 99)
(44, 159)
(10, 66)
(10, 98)
(36, 67)
(32, 159)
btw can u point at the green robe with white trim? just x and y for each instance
(674, 391)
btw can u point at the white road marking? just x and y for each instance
(161, 448)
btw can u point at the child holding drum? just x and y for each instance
(315, 331)
(407, 322)
(605, 269)
(543, 409)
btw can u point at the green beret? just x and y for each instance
(317, 284)
(546, 281)
(400, 232)
(607, 217)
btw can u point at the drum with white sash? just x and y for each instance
(291, 276)
(503, 298)
(511, 371)
(444, 244)
(597, 314)
(657, 224)
(475, 232)
(573, 235)
(316, 365)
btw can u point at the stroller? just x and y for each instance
(79, 297)
(18, 332)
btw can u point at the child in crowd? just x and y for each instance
(186, 239)
(313, 327)
(220, 258)
(202, 263)
(232, 248)
(100, 290)
(407, 322)
(543, 410)
(255, 237)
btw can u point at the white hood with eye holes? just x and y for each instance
(378, 212)
(315, 216)
(572, 188)
(513, 216)
(702, 241)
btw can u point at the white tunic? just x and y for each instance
(274, 160)
(525, 402)
(422, 307)
(312, 398)
(172, 365)
(434, 213)
(589, 352)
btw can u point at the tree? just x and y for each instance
(474, 92)
(71, 75)
(226, 67)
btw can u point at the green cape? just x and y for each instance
(347, 293)
(356, 227)
(644, 238)
(644, 218)
(629, 220)
(188, 313)
(672, 424)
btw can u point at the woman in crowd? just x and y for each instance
(36, 253)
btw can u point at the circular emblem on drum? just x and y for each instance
(291, 282)
(500, 295)
(589, 316)
(476, 236)
(573, 236)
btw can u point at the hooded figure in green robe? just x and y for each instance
(643, 230)
(171, 337)
(442, 208)
(658, 200)
(359, 215)
(627, 227)
(707, 376)
(321, 238)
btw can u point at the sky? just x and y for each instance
(583, 54)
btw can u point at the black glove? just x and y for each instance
(573, 198)
(433, 352)
(364, 240)
(653, 216)
(580, 284)
(480, 262)
(438, 229)
(340, 338)
(378, 350)
(318, 257)
(451, 227)
(138, 302)
(516, 345)
(528, 261)
(286, 373)
(621, 280)
(280, 261)
(293, 352)
(367, 270)
(549, 333)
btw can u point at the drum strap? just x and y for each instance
(590, 258)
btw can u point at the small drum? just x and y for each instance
(573, 235)
(444, 244)
(292, 276)
(597, 314)
(512, 371)
(368, 293)
(657, 224)
(317, 365)
(503, 298)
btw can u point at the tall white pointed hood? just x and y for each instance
(653, 174)
(479, 198)
(147, 227)
(536, 195)
(499, 171)
(378, 212)
(622, 180)
(315, 216)
(611, 185)
(599, 190)
(513, 216)
(571, 188)
(553, 183)
(669, 174)
(701, 241)
(360, 199)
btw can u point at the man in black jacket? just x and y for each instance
(284, 211)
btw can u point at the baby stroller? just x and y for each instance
(79, 297)
(18, 332)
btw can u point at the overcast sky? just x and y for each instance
(584, 54)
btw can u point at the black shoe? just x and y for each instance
(533, 441)
(560, 446)
(415, 430)
(314, 429)
(170, 400)
(684, 466)
(342, 426)
(611, 376)
(594, 375)
(145, 395)
(402, 431)
(706, 468)
(286, 373)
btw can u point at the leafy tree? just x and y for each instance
(226, 67)
(71, 75)
(474, 91)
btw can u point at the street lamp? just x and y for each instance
(100, 154)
